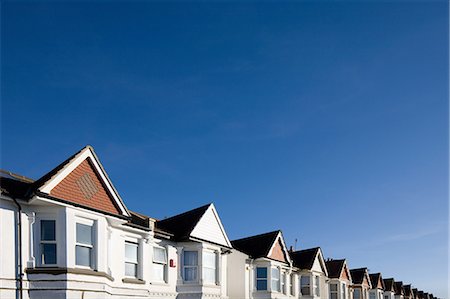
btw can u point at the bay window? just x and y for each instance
(190, 265)
(317, 286)
(159, 263)
(275, 279)
(283, 282)
(292, 285)
(131, 259)
(261, 279)
(343, 291)
(209, 267)
(48, 242)
(356, 294)
(305, 285)
(84, 247)
(372, 295)
(333, 291)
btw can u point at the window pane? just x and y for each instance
(261, 272)
(83, 256)
(261, 285)
(372, 295)
(333, 296)
(190, 273)
(159, 255)
(275, 273)
(131, 252)
(158, 272)
(356, 294)
(333, 287)
(317, 286)
(48, 254)
(84, 234)
(190, 258)
(209, 275)
(304, 280)
(130, 269)
(305, 291)
(209, 259)
(48, 230)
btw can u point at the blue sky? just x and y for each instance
(328, 120)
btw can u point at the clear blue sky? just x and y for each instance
(327, 120)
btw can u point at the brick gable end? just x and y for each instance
(83, 186)
(278, 252)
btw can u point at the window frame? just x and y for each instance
(92, 247)
(184, 267)
(136, 244)
(266, 279)
(277, 280)
(291, 284)
(343, 291)
(160, 263)
(336, 284)
(317, 285)
(42, 242)
(357, 290)
(216, 266)
(308, 285)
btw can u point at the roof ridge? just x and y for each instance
(186, 212)
(256, 236)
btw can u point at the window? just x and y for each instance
(84, 248)
(209, 267)
(343, 291)
(283, 282)
(356, 294)
(190, 265)
(48, 242)
(372, 295)
(305, 285)
(261, 279)
(386, 297)
(333, 291)
(159, 263)
(317, 286)
(291, 285)
(276, 279)
(131, 259)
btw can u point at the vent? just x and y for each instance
(87, 186)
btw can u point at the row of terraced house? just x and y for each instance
(70, 235)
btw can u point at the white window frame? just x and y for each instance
(305, 285)
(216, 267)
(283, 282)
(159, 263)
(343, 291)
(276, 280)
(359, 291)
(42, 242)
(262, 279)
(196, 267)
(335, 291)
(134, 243)
(92, 246)
(291, 284)
(317, 285)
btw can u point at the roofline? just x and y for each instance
(258, 235)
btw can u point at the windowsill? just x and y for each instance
(159, 283)
(133, 280)
(58, 270)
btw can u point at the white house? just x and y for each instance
(312, 273)
(259, 267)
(70, 235)
(361, 283)
(340, 280)
(399, 292)
(389, 288)
(377, 289)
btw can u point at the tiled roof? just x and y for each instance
(256, 246)
(334, 268)
(389, 284)
(181, 225)
(358, 275)
(398, 288)
(304, 259)
(374, 278)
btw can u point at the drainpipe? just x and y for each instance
(19, 244)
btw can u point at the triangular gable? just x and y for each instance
(366, 280)
(278, 251)
(210, 228)
(345, 274)
(380, 284)
(82, 180)
(319, 263)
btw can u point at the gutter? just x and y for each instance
(19, 244)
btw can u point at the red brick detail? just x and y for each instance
(68, 189)
(344, 274)
(278, 252)
(380, 284)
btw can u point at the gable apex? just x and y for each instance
(89, 181)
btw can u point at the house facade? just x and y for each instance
(377, 290)
(260, 267)
(70, 235)
(361, 283)
(389, 288)
(340, 280)
(399, 291)
(312, 273)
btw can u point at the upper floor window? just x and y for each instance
(305, 285)
(190, 265)
(292, 285)
(261, 278)
(317, 286)
(333, 291)
(275, 279)
(84, 248)
(372, 295)
(283, 282)
(386, 297)
(356, 294)
(131, 259)
(159, 263)
(343, 291)
(48, 242)
(209, 267)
